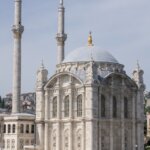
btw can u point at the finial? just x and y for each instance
(138, 66)
(61, 2)
(90, 41)
(42, 64)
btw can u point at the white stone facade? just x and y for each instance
(89, 106)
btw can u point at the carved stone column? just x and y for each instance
(46, 144)
(122, 117)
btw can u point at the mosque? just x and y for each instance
(90, 103)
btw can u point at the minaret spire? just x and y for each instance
(61, 36)
(17, 30)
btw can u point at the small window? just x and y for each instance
(21, 128)
(14, 128)
(114, 107)
(66, 106)
(8, 143)
(13, 144)
(4, 128)
(9, 128)
(27, 128)
(32, 128)
(103, 103)
(125, 107)
(55, 107)
(79, 106)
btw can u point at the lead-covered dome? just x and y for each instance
(89, 53)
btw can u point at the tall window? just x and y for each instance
(32, 128)
(4, 128)
(125, 107)
(103, 101)
(27, 128)
(66, 106)
(13, 128)
(114, 107)
(55, 107)
(79, 106)
(21, 128)
(9, 128)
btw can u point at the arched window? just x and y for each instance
(66, 106)
(14, 128)
(103, 106)
(9, 128)
(79, 106)
(114, 107)
(55, 107)
(125, 107)
(32, 128)
(27, 128)
(21, 128)
(4, 128)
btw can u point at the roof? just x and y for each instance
(89, 53)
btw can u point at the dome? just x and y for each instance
(89, 53)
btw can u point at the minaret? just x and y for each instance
(138, 76)
(17, 30)
(61, 36)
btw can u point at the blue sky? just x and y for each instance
(120, 26)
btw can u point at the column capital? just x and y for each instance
(17, 30)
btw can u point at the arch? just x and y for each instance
(66, 106)
(79, 105)
(54, 113)
(130, 81)
(53, 79)
(114, 107)
(103, 106)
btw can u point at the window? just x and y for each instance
(21, 128)
(21, 143)
(4, 128)
(27, 128)
(114, 107)
(3, 143)
(125, 107)
(8, 143)
(103, 113)
(55, 107)
(79, 106)
(9, 128)
(66, 106)
(13, 144)
(13, 128)
(32, 128)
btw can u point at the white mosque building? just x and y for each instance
(90, 103)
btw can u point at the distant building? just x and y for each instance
(27, 103)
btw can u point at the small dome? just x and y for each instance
(89, 53)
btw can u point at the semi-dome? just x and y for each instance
(89, 53)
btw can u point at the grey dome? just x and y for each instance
(89, 53)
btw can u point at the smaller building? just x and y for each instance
(17, 130)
